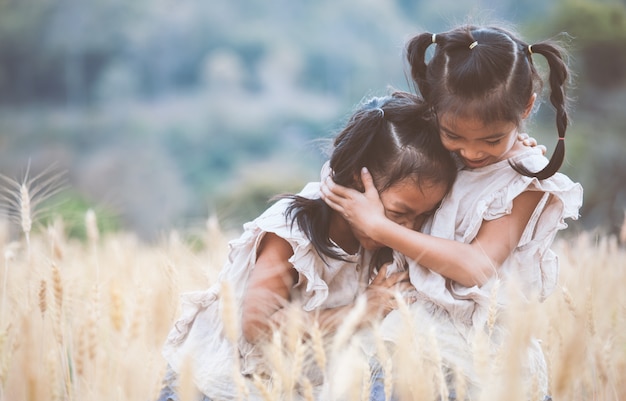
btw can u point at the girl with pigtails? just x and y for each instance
(301, 253)
(488, 243)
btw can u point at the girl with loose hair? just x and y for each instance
(498, 221)
(301, 252)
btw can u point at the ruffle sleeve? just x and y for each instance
(565, 199)
(305, 259)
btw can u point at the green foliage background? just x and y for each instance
(163, 112)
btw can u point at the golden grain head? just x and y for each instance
(22, 197)
(83, 342)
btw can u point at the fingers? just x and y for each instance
(532, 142)
(527, 140)
(387, 281)
(333, 205)
(368, 181)
(335, 189)
(326, 171)
(396, 278)
(327, 194)
(334, 192)
(381, 276)
(403, 286)
(384, 299)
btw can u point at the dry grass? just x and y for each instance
(86, 321)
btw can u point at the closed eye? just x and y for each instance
(450, 136)
(395, 213)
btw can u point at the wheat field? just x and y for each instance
(86, 320)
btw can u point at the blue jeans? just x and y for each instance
(377, 389)
(169, 392)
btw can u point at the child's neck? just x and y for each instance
(341, 234)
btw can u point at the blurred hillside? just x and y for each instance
(164, 112)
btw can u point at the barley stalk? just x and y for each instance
(581, 328)
(589, 313)
(91, 225)
(5, 355)
(278, 364)
(350, 324)
(460, 384)
(229, 313)
(116, 313)
(53, 374)
(134, 328)
(535, 389)
(81, 353)
(259, 384)
(57, 290)
(24, 196)
(25, 213)
(307, 390)
(298, 361)
(92, 327)
(230, 322)
(317, 341)
(186, 389)
(492, 314)
(573, 353)
(569, 301)
(438, 364)
(43, 302)
(55, 233)
(367, 383)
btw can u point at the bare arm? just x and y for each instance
(468, 264)
(270, 283)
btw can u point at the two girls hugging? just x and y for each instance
(437, 197)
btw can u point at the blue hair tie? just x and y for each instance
(377, 103)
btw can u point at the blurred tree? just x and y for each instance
(599, 31)
(46, 53)
(209, 87)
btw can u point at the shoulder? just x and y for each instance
(275, 219)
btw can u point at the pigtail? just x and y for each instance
(416, 57)
(352, 150)
(558, 77)
(354, 144)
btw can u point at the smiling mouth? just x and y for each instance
(475, 163)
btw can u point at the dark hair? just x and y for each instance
(395, 137)
(487, 72)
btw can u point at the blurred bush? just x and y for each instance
(155, 108)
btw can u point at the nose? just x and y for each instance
(408, 223)
(470, 153)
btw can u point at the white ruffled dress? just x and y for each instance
(198, 337)
(455, 312)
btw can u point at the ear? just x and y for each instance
(529, 106)
(357, 183)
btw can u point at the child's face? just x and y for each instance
(406, 204)
(477, 144)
